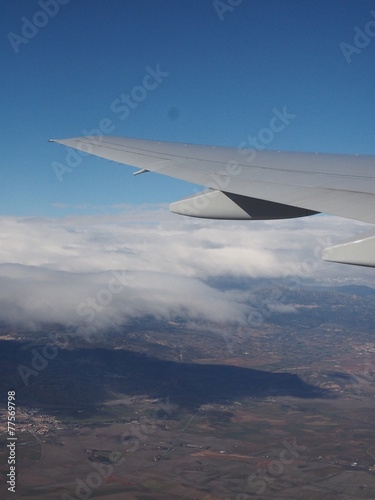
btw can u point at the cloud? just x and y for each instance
(102, 271)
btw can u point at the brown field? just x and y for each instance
(288, 413)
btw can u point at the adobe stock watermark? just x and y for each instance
(122, 107)
(261, 311)
(88, 309)
(42, 356)
(139, 432)
(91, 306)
(361, 40)
(30, 27)
(279, 121)
(39, 362)
(247, 150)
(94, 480)
(223, 6)
(257, 483)
(131, 441)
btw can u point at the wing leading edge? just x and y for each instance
(251, 184)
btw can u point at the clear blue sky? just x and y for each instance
(225, 77)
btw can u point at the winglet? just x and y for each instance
(359, 251)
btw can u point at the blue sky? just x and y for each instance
(225, 75)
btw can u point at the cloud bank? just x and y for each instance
(102, 271)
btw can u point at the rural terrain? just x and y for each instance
(280, 408)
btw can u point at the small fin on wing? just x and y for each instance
(359, 251)
(142, 171)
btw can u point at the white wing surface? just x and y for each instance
(252, 184)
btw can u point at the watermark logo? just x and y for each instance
(222, 7)
(257, 483)
(40, 360)
(266, 135)
(30, 27)
(362, 38)
(121, 106)
(131, 441)
(248, 150)
(91, 306)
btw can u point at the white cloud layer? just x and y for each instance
(101, 271)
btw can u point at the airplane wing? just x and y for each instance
(253, 184)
